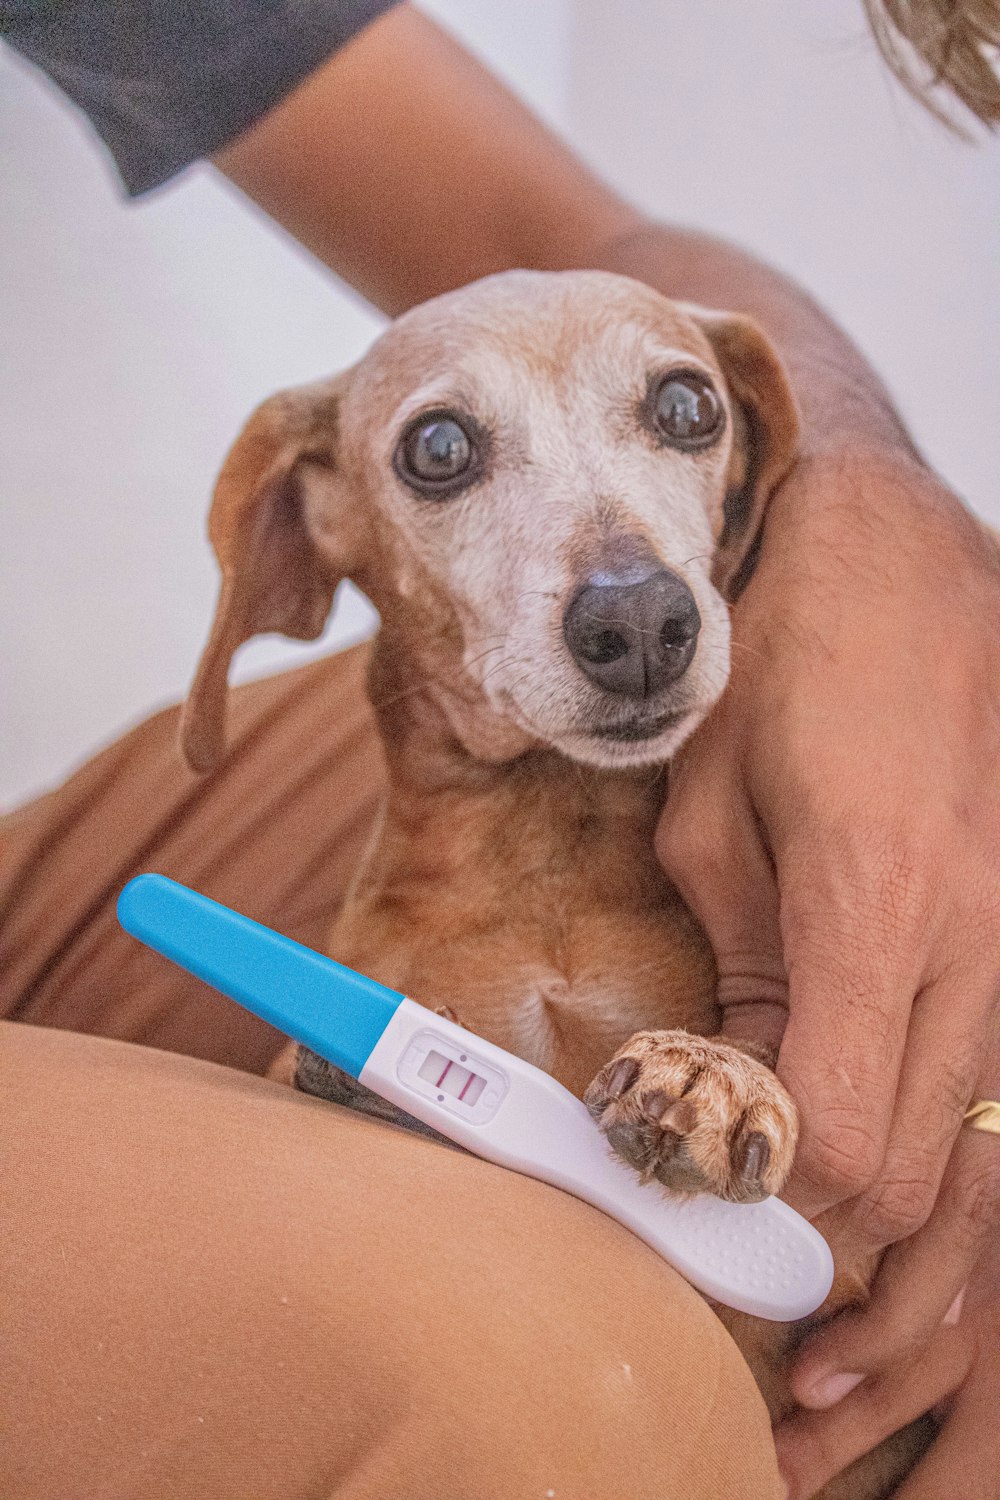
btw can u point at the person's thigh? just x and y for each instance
(276, 831)
(217, 1288)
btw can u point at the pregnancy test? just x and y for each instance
(761, 1258)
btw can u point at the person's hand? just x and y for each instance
(835, 825)
(958, 1375)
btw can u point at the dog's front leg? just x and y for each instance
(311, 1074)
(700, 1114)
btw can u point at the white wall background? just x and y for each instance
(777, 124)
(134, 340)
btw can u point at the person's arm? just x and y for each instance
(406, 167)
(849, 774)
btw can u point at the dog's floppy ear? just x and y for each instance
(765, 438)
(274, 578)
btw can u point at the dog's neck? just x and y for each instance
(522, 892)
(428, 761)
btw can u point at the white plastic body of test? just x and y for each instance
(761, 1258)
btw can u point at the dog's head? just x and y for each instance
(548, 484)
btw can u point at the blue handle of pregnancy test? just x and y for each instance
(333, 1010)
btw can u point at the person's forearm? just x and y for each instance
(843, 402)
(407, 168)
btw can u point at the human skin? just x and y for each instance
(834, 823)
(956, 1374)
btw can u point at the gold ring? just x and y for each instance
(984, 1115)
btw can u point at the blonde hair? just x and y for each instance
(933, 45)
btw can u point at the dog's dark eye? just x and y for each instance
(686, 410)
(436, 455)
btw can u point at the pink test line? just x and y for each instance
(444, 1075)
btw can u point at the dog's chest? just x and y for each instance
(622, 977)
(538, 914)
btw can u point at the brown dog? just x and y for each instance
(548, 485)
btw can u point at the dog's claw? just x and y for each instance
(656, 1105)
(681, 1116)
(670, 1111)
(751, 1157)
(621, 1078)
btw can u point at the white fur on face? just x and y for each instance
(553, 369)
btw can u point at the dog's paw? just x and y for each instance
(697, 1114)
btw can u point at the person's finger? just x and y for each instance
(938, 1223)
(814, 1446)
(964, 1459)
(948, 1037)
(918, 1282)
(854, 966)
(709, 844)
(957, 1453)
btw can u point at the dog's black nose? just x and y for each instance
(633, 638)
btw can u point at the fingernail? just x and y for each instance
(954, 1312)
(827, 1390)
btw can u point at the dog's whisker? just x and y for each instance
(408, 692)
(524, 677)
(538, 594)
(462, 670)
(740, 646)
(488, 652)
(499, 666)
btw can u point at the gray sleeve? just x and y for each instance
(165, 82)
